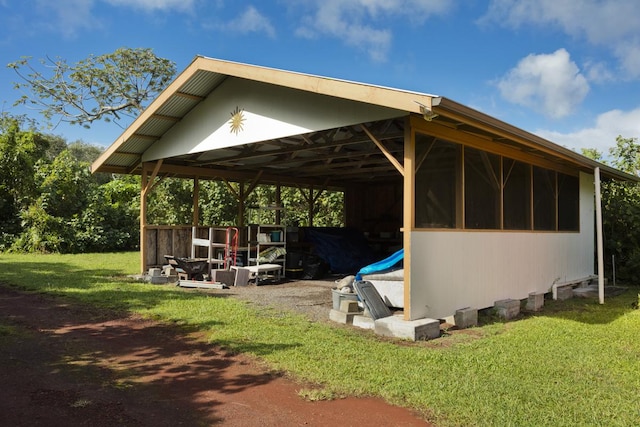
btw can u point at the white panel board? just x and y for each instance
(451, 270)
(268, 112)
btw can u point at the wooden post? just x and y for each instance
(311, 204)
(408, 221)
(146, 184)
(241, 197)
(278, 204)
(196, 201)
(143, 220)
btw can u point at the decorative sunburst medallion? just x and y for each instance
(237, 120)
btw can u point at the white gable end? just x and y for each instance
(262, 112)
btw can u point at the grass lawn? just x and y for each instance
(575, 363)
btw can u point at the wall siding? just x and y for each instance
(457, 269)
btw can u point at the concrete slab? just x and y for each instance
(415, 330)
(200, 284)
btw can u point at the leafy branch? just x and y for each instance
(105, 87)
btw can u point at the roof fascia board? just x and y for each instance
(378, 95)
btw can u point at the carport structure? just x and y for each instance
(486, 211)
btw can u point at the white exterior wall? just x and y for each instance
(457, 269)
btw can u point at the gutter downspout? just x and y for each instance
(600, 249)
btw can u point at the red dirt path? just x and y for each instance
(63, 364)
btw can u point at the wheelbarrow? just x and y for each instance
(192, 267)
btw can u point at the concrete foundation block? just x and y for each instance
(341, 317)
(507, 308)
(415, 330)
(228, 277)
(363, 322)
(154, 272)
(565, 293)
(158, 280)
(535, 302)
(347, 306)
(466, 318)
(242, 276)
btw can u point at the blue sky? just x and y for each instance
(567, 70)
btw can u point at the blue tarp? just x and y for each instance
(345, 250)
(383, 265)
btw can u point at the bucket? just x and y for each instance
(275, 236)
(293, 273)
(339, 296)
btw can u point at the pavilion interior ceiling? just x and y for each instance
(330, 157)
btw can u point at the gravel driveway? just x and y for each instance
(309, 297)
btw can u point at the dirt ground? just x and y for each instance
(62, 364)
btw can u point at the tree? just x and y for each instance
(621, 211)
(20, 151)
(63, 187)
(110, 221)
(104, 87)
(626, 154)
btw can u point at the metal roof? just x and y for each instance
(331, 155)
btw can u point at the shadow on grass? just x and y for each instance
(105, 288)
(590, 311)
(144, 368)
(586, 310)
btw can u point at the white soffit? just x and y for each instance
(262, 112)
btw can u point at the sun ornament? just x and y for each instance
(237, 120)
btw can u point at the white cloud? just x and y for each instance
(68, 16)
(548, 83)
(155, 5)
(602, 135)
(598, 72)
(360, 23)
(251, 21)
(611, 23)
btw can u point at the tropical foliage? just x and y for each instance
(621, 211)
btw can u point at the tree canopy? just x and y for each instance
(104, 87)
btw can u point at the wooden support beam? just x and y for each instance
(384, 150)
(152, 180)
(231, 189)
(254, 183)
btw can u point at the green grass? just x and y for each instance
(575, 363)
